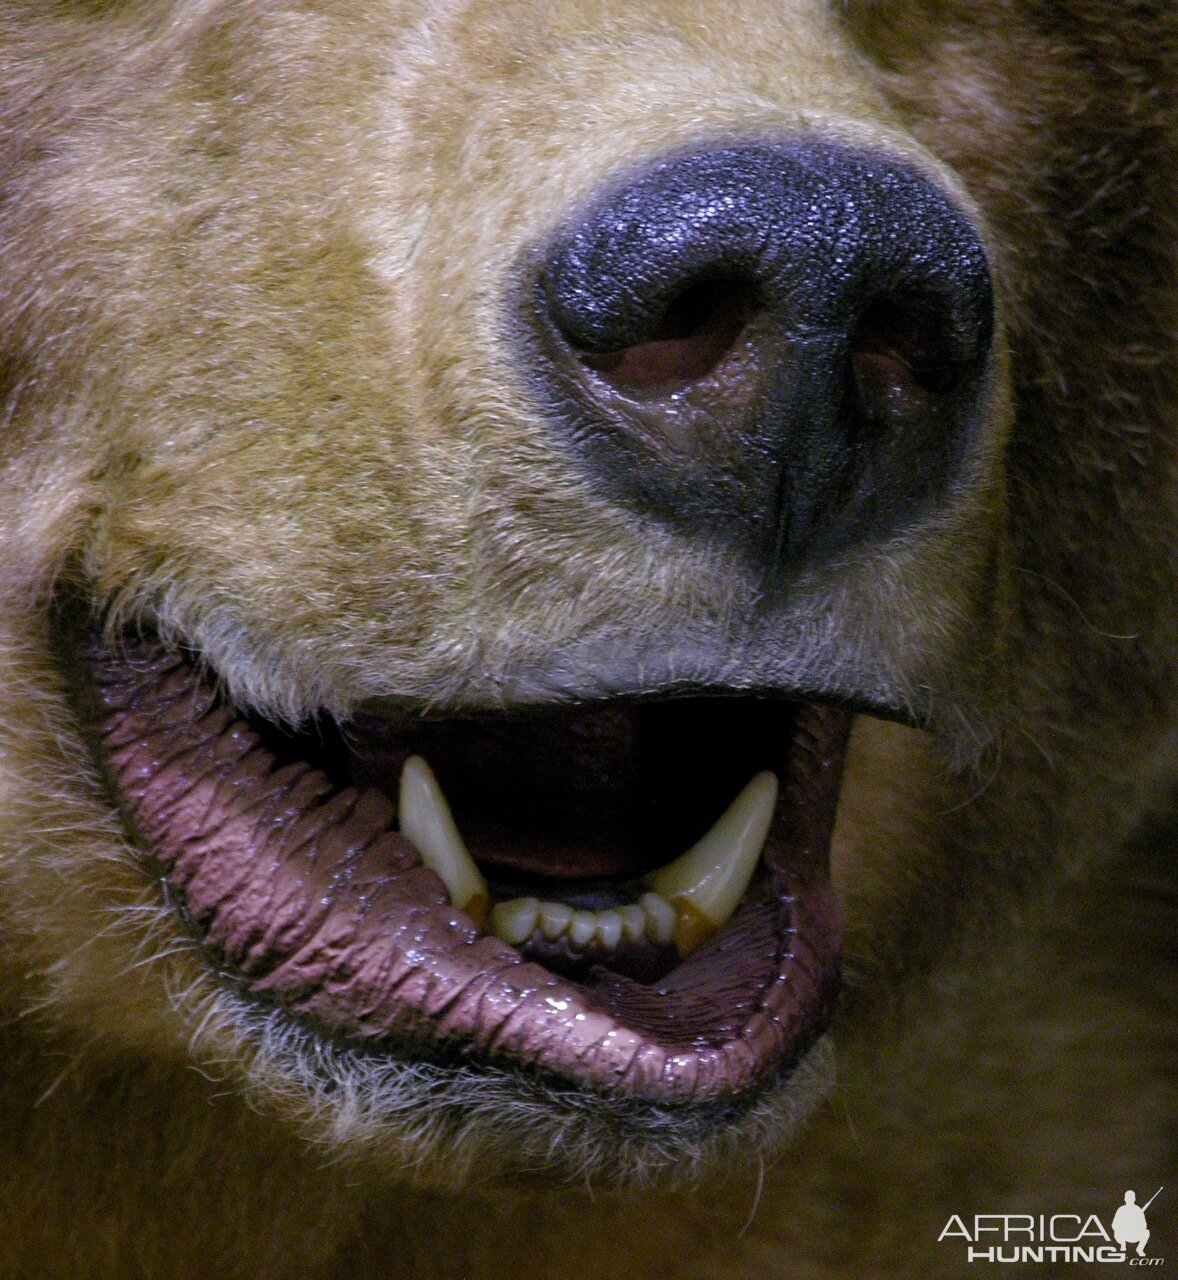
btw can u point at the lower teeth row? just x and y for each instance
(651, 918)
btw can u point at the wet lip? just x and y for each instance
(284, 856)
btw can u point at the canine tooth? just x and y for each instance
(660, 917)
(426, 821)
(633, 920)
(705, 884)
(554, 919)
(582, 927)
(515, 921)
(609, 928)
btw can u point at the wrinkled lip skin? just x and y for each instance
(303, 895)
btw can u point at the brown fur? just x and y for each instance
(253, 388)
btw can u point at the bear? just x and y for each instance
(589, 635)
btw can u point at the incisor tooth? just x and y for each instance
(633, 920)
(554, 919)
(582, 927)
(609, 928)
(705, 884)
(660, 917)
(515, 921)
(426, 821)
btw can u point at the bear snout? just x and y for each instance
(784, 343)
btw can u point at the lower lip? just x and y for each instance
(305, 896)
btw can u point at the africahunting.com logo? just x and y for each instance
(1057, 1237)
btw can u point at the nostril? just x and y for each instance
(902, 362)
(904, 341)
(682, 345)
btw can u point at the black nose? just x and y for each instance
(785, 345)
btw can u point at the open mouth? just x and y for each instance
(629, 896)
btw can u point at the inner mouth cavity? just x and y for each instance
(621, 835)
(630, 894)
(662, 917)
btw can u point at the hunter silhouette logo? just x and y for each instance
(1057, 1237)
(1129, 1222)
